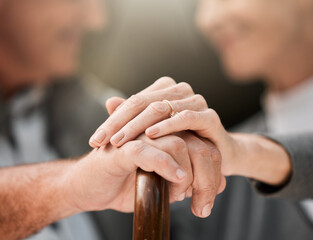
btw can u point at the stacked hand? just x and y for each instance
(196, 158)
(140, 133)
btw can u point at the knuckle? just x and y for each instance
(137, 101)
(138, 146)
(167, 80)
(202, 150)
(186, 86)
(209, 190)
(178, 144)
(188, 116)
(201, 100)
(213, 116)
(163, 161)
(216, 155)
(158, 107)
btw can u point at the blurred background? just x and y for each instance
(148, 39)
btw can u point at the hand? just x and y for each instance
(133, 116)
(105, 178)
(205, 159)
(207, 125)
(208, 182)
(247, 155)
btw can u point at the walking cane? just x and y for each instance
(151, 215)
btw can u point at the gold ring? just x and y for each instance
(173, 112)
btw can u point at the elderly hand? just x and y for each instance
(129, 121)
(105, 178)
(133, 116)
(246, 155)
(207, 180)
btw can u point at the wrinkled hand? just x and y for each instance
(133, 116)
(129, 121)
(105, 178)
(206, 124)
(247, 155)
(205, 160)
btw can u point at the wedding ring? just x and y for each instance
(173, 112)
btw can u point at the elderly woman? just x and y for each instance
(268, 39)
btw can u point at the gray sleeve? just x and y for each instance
(300, 184)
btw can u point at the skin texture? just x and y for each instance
(241, 154)
(39, 40)
(38, 60)
(254, 38)
(36, 195)
(131, 117)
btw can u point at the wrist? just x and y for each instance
(234, 151)
(67, 190)
(261, 159)
(88, 183)
(242, 162)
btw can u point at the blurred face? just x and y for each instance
(251, 36)
(44, 36)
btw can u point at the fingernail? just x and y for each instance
(99, 136)
(206, 211)
(180, 173)
(152, 131)
(116, 139)
(181, 197)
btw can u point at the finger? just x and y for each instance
(132, 107)
(113, 103)
(205, 123)
(206, 164)
(163, 82)
(220, 190)
(177, 148)
(154, 113)
(150, 159)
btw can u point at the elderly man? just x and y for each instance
(272, 40)
(44, 119)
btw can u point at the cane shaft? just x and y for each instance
(151, 215)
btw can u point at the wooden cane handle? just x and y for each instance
(151, 215)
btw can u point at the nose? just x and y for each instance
(210, 14)
(94, 14)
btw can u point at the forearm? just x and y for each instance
(261, 159)
(32, 197)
